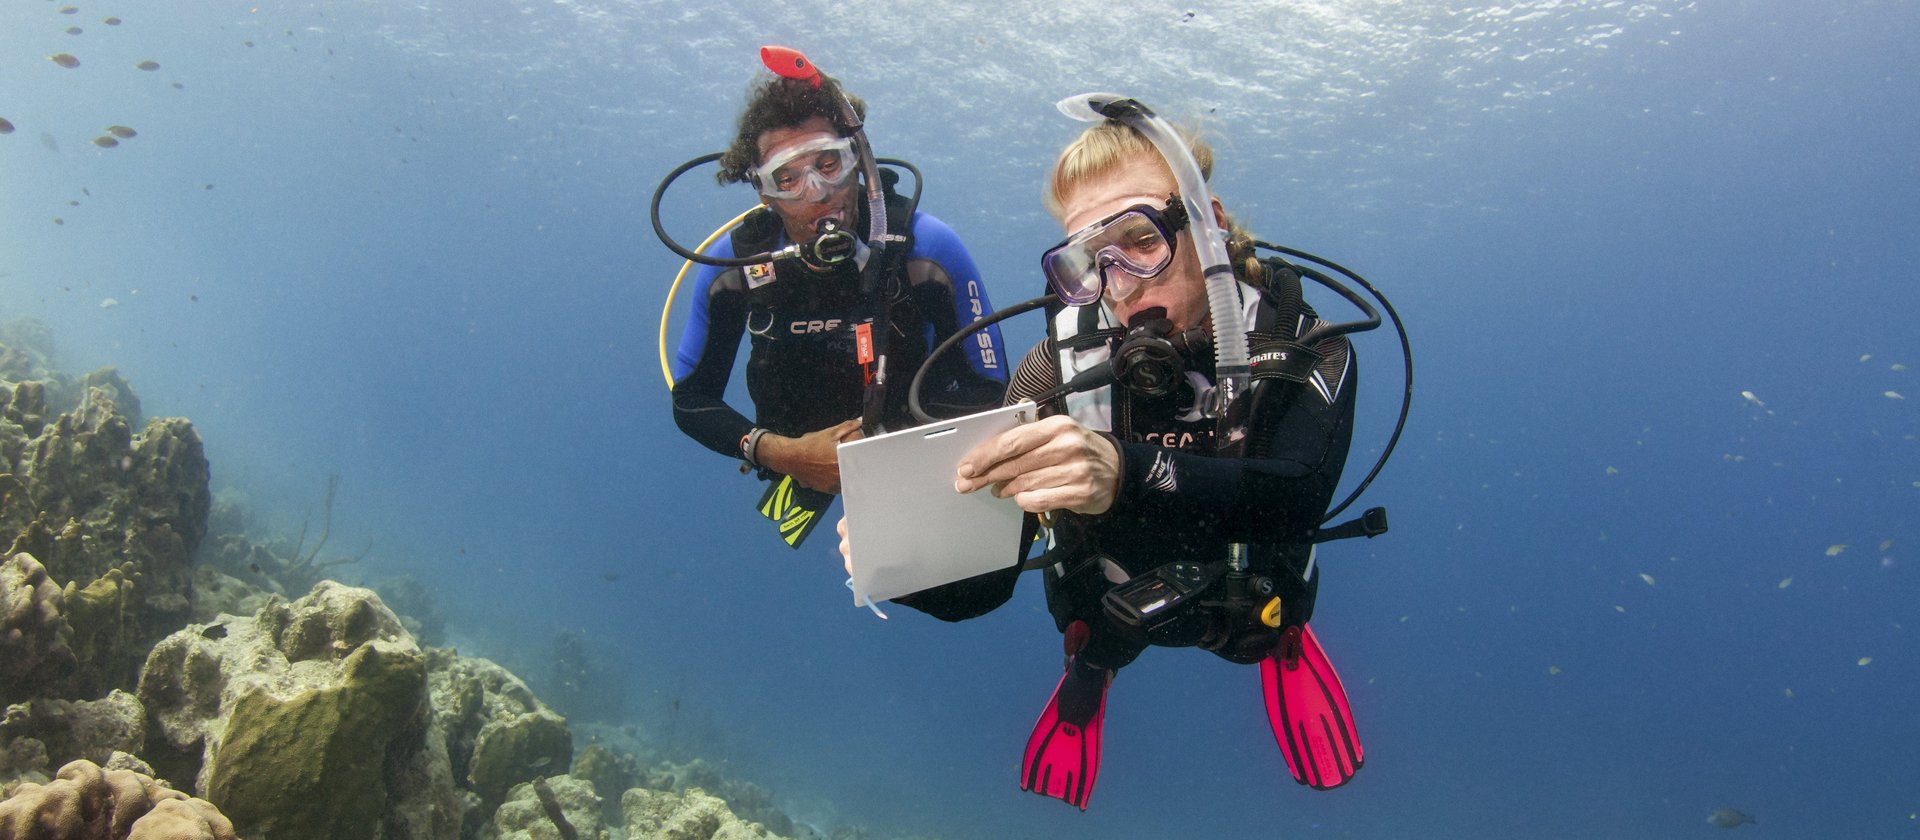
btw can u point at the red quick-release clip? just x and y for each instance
(863, 342)
(863, 349)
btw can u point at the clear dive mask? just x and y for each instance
(1139, 241)
(808, 171)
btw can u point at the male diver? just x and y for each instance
(835, 308)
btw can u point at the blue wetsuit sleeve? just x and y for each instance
(934, 240)
(703, 360)
(693, 337)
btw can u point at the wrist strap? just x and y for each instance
(750, 445)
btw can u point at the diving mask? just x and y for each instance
(1140, 241)
(808, 171)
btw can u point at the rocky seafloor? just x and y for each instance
(167, 675)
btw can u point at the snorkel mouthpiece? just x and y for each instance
(1230, 336)
(790, 63)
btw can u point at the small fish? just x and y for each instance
(148, 65)
(1865, 661)
(541, 762)
(109, 303)
(105, 142)
(1752, 399)
(1893, 395)
(1886, 544)
(1898, 366)
(59, 221)
(64, 60)
(1729, 818)
(610, 576)
(68, 10)
(111, 21)
(122, 132)
(1786, 582)
(5, 127)
(73, 30)
(1835, 549)
(1647, 577)
(178, 86)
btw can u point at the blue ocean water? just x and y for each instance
(407, 244)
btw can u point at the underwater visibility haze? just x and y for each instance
(1654, 545)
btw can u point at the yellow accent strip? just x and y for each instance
(666, 369)
(795, 527)
(779, 502)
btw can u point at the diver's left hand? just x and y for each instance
(1053, 464)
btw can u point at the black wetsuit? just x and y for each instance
(802, 371)
(1178, 501)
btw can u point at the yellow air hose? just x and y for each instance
(666, 369)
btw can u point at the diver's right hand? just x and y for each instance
(809, 458)
(846, 547)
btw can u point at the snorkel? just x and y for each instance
(1229, 333)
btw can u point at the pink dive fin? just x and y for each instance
(1063, 754)
(789, 62)
(1307, 706)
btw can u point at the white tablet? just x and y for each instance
(907, 528)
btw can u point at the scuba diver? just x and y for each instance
(1181, 485)
(841, 296)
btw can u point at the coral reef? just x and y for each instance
(90, 729)
(527, 815)
(693, 815)
(304, 708)
(91, 499)
(497, 733)
(86, 802)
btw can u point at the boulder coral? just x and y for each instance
(85, 802)
(34, 635)
(323, 718)
(299, 719)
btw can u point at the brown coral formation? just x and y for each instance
(297, 718)
(85, 802)
(34, 636)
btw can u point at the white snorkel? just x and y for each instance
(1231, 368)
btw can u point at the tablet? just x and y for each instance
(907, 528)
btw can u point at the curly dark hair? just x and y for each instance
(779, 102)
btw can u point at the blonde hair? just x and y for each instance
(1105, 147)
